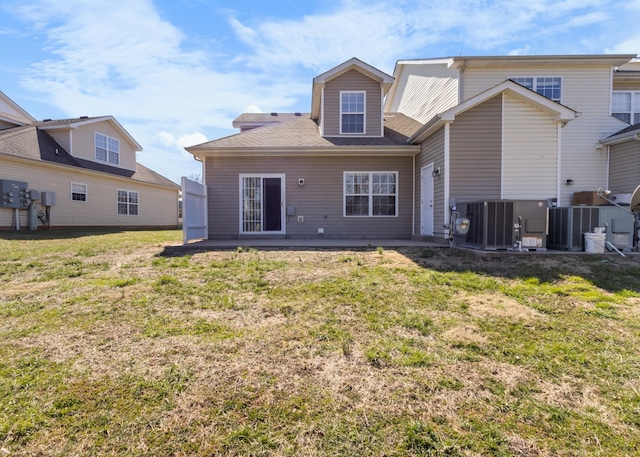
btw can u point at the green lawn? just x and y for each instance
(109, 347)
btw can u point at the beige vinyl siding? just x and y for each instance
(10, 110)
(530, 151)
(84, 144)
(624, 167)
(352, 80)
(586, 89)
(62, 137)
(432, 151)
(626, 85)
(425, 90)
(320, 201)
(157, 206)
(476, 152)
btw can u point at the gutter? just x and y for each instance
(396, 151)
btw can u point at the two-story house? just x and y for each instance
(85, 167)
(383, 156)
(345, 170)
(516, 127)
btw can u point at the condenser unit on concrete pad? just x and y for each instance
(504, 225)
(567, 226)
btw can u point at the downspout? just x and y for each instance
(608, 167)
(559, 167)
(413, 206)
(447, 174)
(502, 146)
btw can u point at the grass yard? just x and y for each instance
(110, 348)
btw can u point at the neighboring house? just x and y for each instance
(517, 127)
(382, 156)
(89, 164)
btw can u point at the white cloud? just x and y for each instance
(190, 139)
(252, 109)
(523, 51)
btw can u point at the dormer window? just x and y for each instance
(107, 149)
(352, 106)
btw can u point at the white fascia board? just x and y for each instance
(629, 136)
(292, 151)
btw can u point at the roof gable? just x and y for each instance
(559, 112)
(319, 81)
(10, 111)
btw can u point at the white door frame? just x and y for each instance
(262, 176)
(426, 200)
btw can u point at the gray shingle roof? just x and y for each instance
(302, 131)
(631, 128)
(30, 142)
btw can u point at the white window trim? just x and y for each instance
(635, 100)
(128, 203)
(95, 146)
(364, 112)
(283, 205)
(370, 173)
(535, 84)
(86, 192)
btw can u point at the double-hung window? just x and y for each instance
(352, 106)
(550, 87)
(127, 202)
(107, 148)
(371, 193)
(626, 106)
(78, 192)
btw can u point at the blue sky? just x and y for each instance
(177, 72)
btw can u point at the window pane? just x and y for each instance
(384, 205)
(621, 102)
(101, 141)
(352, 123)
(549, 87)
(526, 82)
(122, 208)
(357, 206)
(626, 117)
(101, 154)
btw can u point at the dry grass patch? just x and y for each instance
(109, 347)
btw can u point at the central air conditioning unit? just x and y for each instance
(567, 226)
(504, 224)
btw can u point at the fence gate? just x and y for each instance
(194, 210)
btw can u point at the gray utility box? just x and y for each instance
(48, 198)
(14, 194)
(504, 224)
(567, 226)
